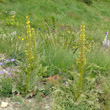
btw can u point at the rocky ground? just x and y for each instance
(19, 103)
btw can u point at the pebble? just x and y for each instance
(4, 104)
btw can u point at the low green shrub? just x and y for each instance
(63, 96)
(36, 74)
(6, 87)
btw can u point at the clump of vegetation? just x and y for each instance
(30, 52)
(6, 87)
(81, 61)
(74, 89)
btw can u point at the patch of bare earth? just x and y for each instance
(19, 103)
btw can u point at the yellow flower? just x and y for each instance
(82, 26)
(27, 17)
(73, 46)
(69, 32)
(12, 17)
(28, 22)
(82, 29)
(19, 37)
(22, 38)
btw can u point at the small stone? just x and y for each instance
(12, 12)
(47, 106)
(4, 104)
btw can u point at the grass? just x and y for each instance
(57, 26)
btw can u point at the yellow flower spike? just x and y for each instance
(82, 26)
(69, 32)
(30, 52)
(82, 29)
(27, 17)
(81, 61)
(28, 22)
(34, 42)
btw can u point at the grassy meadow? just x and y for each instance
(51, 55)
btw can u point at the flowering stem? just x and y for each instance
(30, 51)
(81, 61)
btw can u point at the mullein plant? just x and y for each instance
(12, 21)
(30, 51)
(81, 61)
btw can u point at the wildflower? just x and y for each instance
(8, 69)
(34, 42)
(106, 42)
(28, 22)
(1, 63)
(50, 85)
(69, 32)
(22, 38)
(60, 72)
(82, 26)
(6, 60)
(9, 73)
(106, 32)
(1, 72)
(73, 46)
(12, 60)
(81, 61)
(13, 17)
(19, 37)
(27, 17)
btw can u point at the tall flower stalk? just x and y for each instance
(81, 61)
(30, 51)
(34, 43)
